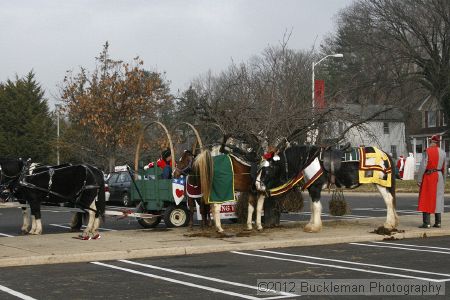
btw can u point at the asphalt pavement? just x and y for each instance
(234, 274)
(130, 262)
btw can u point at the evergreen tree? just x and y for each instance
(26, 129)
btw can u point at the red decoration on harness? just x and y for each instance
(268, 155)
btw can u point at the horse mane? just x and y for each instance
(203, 165)
(299, 155)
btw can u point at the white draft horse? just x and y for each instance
(203, 166)
(289, 163)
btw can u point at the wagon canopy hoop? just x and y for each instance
(197, 135)
(141, 139)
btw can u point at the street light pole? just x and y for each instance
(58, 110)
(314, 64)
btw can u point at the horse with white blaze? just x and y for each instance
(314, 168)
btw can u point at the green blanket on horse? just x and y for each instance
(223, 180)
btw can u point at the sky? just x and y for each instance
(183, 38)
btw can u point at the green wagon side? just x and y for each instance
(153, 195)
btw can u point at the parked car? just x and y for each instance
(119, 184)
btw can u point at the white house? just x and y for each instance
(385, 130)
(432, 122)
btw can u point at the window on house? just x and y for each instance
(394, 151)
(419, 148)
(386, 128)
(431, 119)
(444, 120)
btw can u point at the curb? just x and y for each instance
(175, 251)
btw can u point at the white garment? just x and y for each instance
(408, 173)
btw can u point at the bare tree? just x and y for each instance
(395, 51)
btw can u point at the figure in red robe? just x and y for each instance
(401, 166)
(431, 179)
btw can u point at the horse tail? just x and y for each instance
(204, 168)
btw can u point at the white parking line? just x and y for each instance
(340, 267)
(409, 245)
(203, 287)
(355, 263)
(401, 248)
(68, 227)
(15, 293)
(203, 277)
(7, 235)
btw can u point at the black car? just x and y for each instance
(119, 184)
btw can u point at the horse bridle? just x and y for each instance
(186, 170)
(13, 179)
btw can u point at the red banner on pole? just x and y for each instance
(319, 93)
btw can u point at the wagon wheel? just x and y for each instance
(176, 216)
(140, 142)
(147, 222)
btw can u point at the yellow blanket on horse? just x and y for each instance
(374, 167)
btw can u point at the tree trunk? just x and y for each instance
(111, 163)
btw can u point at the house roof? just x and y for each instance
(365, 112)
(424, 132)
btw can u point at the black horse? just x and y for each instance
(81, 185)
(305, 164)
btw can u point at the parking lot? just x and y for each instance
(232, 274)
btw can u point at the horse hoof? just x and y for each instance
(85, 238)
(97, 236)
(389, 227)
(24, 232)
(260, 229)
(311, 228)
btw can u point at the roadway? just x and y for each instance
(234, 275)
(363, 205)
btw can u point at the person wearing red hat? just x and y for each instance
(431, 180)
(164, 163)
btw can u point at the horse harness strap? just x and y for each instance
(286, 166)
(35, 187)
(49, 192)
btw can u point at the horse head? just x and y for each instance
(184, 164)
(11, 171)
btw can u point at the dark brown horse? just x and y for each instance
(203, 167)
(184, 168)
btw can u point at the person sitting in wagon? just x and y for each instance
(164, 163)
